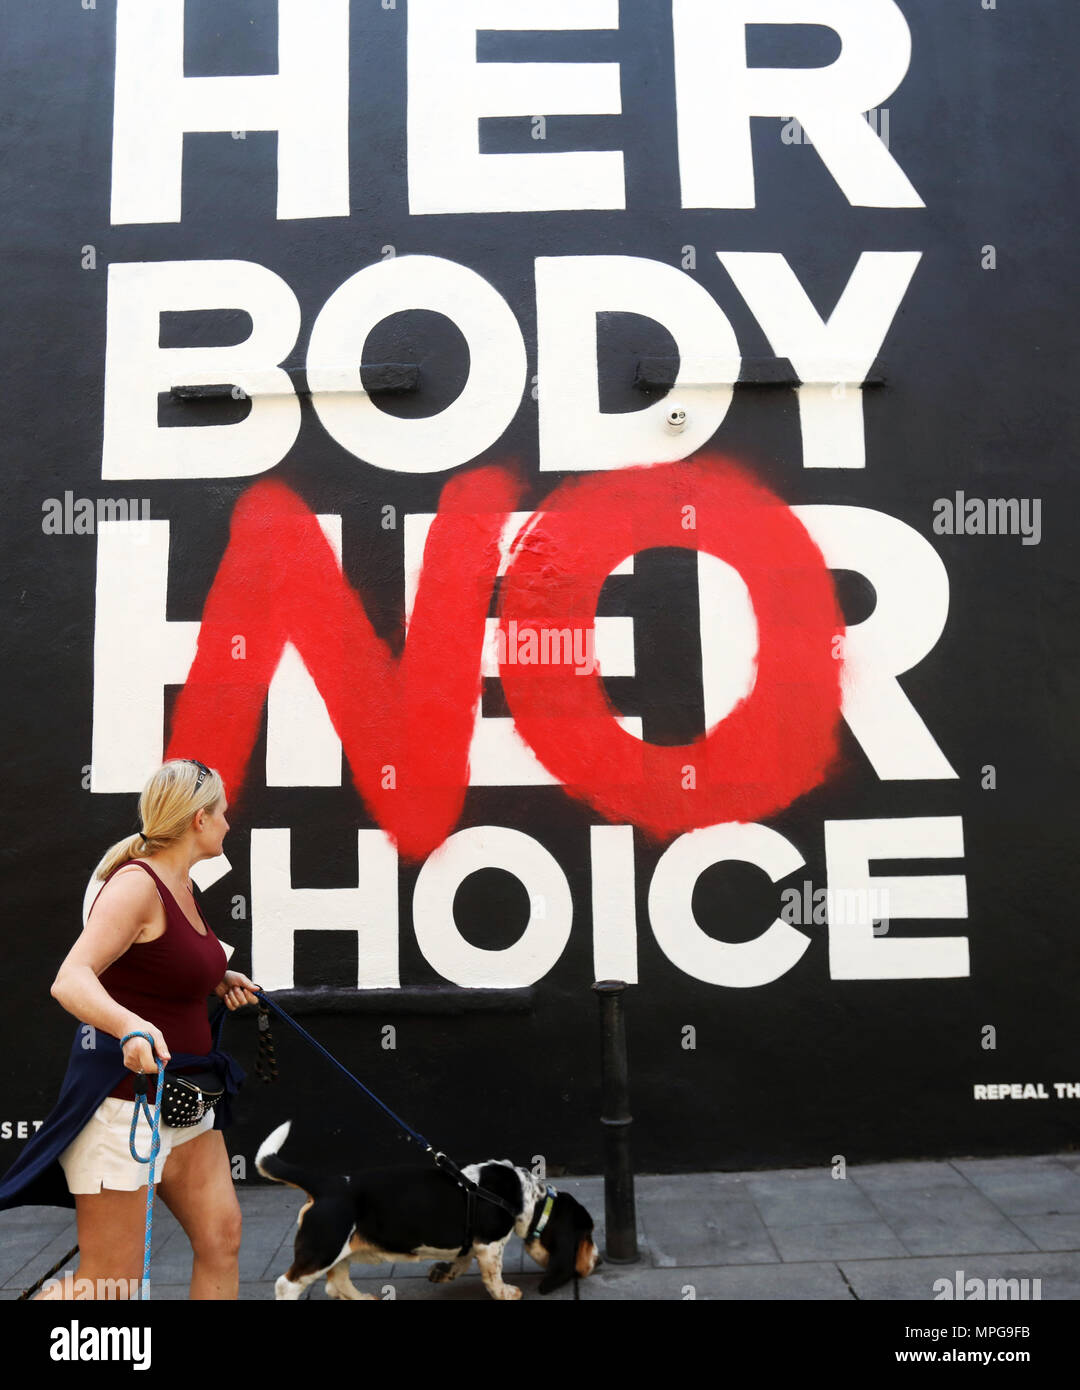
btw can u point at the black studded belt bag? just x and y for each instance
(185, 1100)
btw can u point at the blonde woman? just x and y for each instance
(145, 962)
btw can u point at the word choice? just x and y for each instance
(281, 913)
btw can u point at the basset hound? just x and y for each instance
(389, 1215)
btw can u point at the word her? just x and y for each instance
(999, 516)
(75, 1343)
(81, 516)
(448, 89)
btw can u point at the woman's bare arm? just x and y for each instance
(124, 909)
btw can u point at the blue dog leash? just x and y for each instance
(154, 1121)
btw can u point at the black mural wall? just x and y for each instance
(834, 860)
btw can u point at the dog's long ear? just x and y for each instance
(560, 1239)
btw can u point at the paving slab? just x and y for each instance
(22, 1243)
(264, 1198)
(703, 1224)
(808, 1198)
(915, 1278)
(873, 1176)
(815, 1281)
(856, 1240)
(37, 1218)
(933, 1209)
(681, 1182)
(259, 1245)
(1051, 1232)
(1023, 1186)
(39, 1258)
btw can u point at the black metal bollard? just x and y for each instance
(619, 1216)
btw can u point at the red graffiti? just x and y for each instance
(775, 745)
(406, 725)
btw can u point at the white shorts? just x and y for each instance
(100, 1155)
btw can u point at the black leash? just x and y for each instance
(266, 1060)
(472, 1190)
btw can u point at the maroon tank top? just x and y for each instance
(166, 981)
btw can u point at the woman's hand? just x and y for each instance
(137, 1054)
(237, 990)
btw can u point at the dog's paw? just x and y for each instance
(510, 1291)
(441, 1273)
(339, 1285)
(348, 1290)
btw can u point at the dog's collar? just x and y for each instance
(538, 1223)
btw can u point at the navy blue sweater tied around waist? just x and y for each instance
(95, 1065)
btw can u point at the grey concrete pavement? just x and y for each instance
(884, 1232)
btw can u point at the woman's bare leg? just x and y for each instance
(111, 1230)
(198, 1189)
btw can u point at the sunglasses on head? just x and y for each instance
(204, 771)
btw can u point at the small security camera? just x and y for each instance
(676, 418)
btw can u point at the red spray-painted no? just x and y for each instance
(279, 582)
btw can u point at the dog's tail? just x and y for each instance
(271, 1165)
